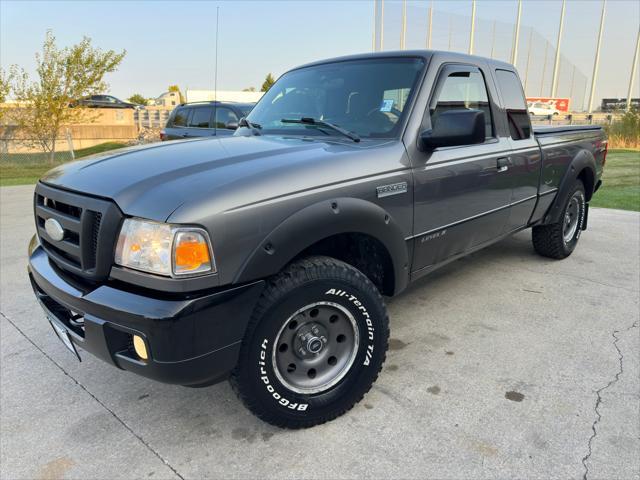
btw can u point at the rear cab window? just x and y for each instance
(515, 104)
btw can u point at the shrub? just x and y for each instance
(625, 133)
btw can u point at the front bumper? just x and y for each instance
(192, 339)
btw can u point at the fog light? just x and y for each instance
(140, 347)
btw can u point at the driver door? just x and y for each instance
(462, 193)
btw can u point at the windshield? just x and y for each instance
(367, 97)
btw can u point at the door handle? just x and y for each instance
(503, 164)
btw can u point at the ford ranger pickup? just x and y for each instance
(264, 257)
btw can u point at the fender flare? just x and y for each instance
(584, 160)
(322, 220)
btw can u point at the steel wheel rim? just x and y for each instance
(571, 217)
(322, 341)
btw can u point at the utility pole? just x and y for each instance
(516, 35)
(596, 60)
(544, 64)
(403, 29)
(493, 38)
(381, 25)
(473, 26)
(430, 25)
(526, 71)
(375, 24)
(634, 67)
(556, 64)
(449, 32)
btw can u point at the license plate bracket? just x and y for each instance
(63, 334)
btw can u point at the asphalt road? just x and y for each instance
(502, 365)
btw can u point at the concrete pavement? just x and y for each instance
(502, 365)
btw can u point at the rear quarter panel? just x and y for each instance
(560, 148)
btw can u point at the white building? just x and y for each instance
(167, 99)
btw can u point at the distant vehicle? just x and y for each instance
(105, 101)
(539, 108)
(617, 104)
(204, 119)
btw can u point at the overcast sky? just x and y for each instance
(174, 42)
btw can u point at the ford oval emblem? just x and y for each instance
(54, 229)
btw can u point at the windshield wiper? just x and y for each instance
(255, 127)
(322, 123)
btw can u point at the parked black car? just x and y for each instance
(204, 119)
(105, 101)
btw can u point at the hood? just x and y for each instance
(153, 181)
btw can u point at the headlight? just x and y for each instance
(163, 249)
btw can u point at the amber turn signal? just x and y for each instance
(191, 253)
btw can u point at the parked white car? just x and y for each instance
(539, 108)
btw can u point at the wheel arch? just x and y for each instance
(314, 228)
(582, 167)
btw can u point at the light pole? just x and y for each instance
(556, 64)
(381, 25)
(403, 30)
(544, 64)
(493, 38)
(596, 60)
(516, 35)
(375, 18)
(430, 25)
(634, 67)
(473, 26)
(573, 77)
(526, 71)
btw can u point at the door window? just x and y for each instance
(201, 117)
(463, 90)
(225, 116)
(515, 104)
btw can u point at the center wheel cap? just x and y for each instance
(310, 340)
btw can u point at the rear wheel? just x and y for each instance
(314, 346)
(558, 240)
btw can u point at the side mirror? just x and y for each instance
(454, 127)
(231, 125)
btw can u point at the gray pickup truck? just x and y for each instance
(264, 257)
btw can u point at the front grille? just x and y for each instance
(90, 227)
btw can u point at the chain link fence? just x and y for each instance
(493, 39)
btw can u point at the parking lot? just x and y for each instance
(501, 365)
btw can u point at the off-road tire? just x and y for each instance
(548, 240)
(305, 282)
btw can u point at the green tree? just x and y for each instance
(5, 84)
(137, 98)
(176, 88)
(249, 89)
(5, 89)
(268, 81)
(64, 75)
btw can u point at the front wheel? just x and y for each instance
(314, 346)
(558, 240)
